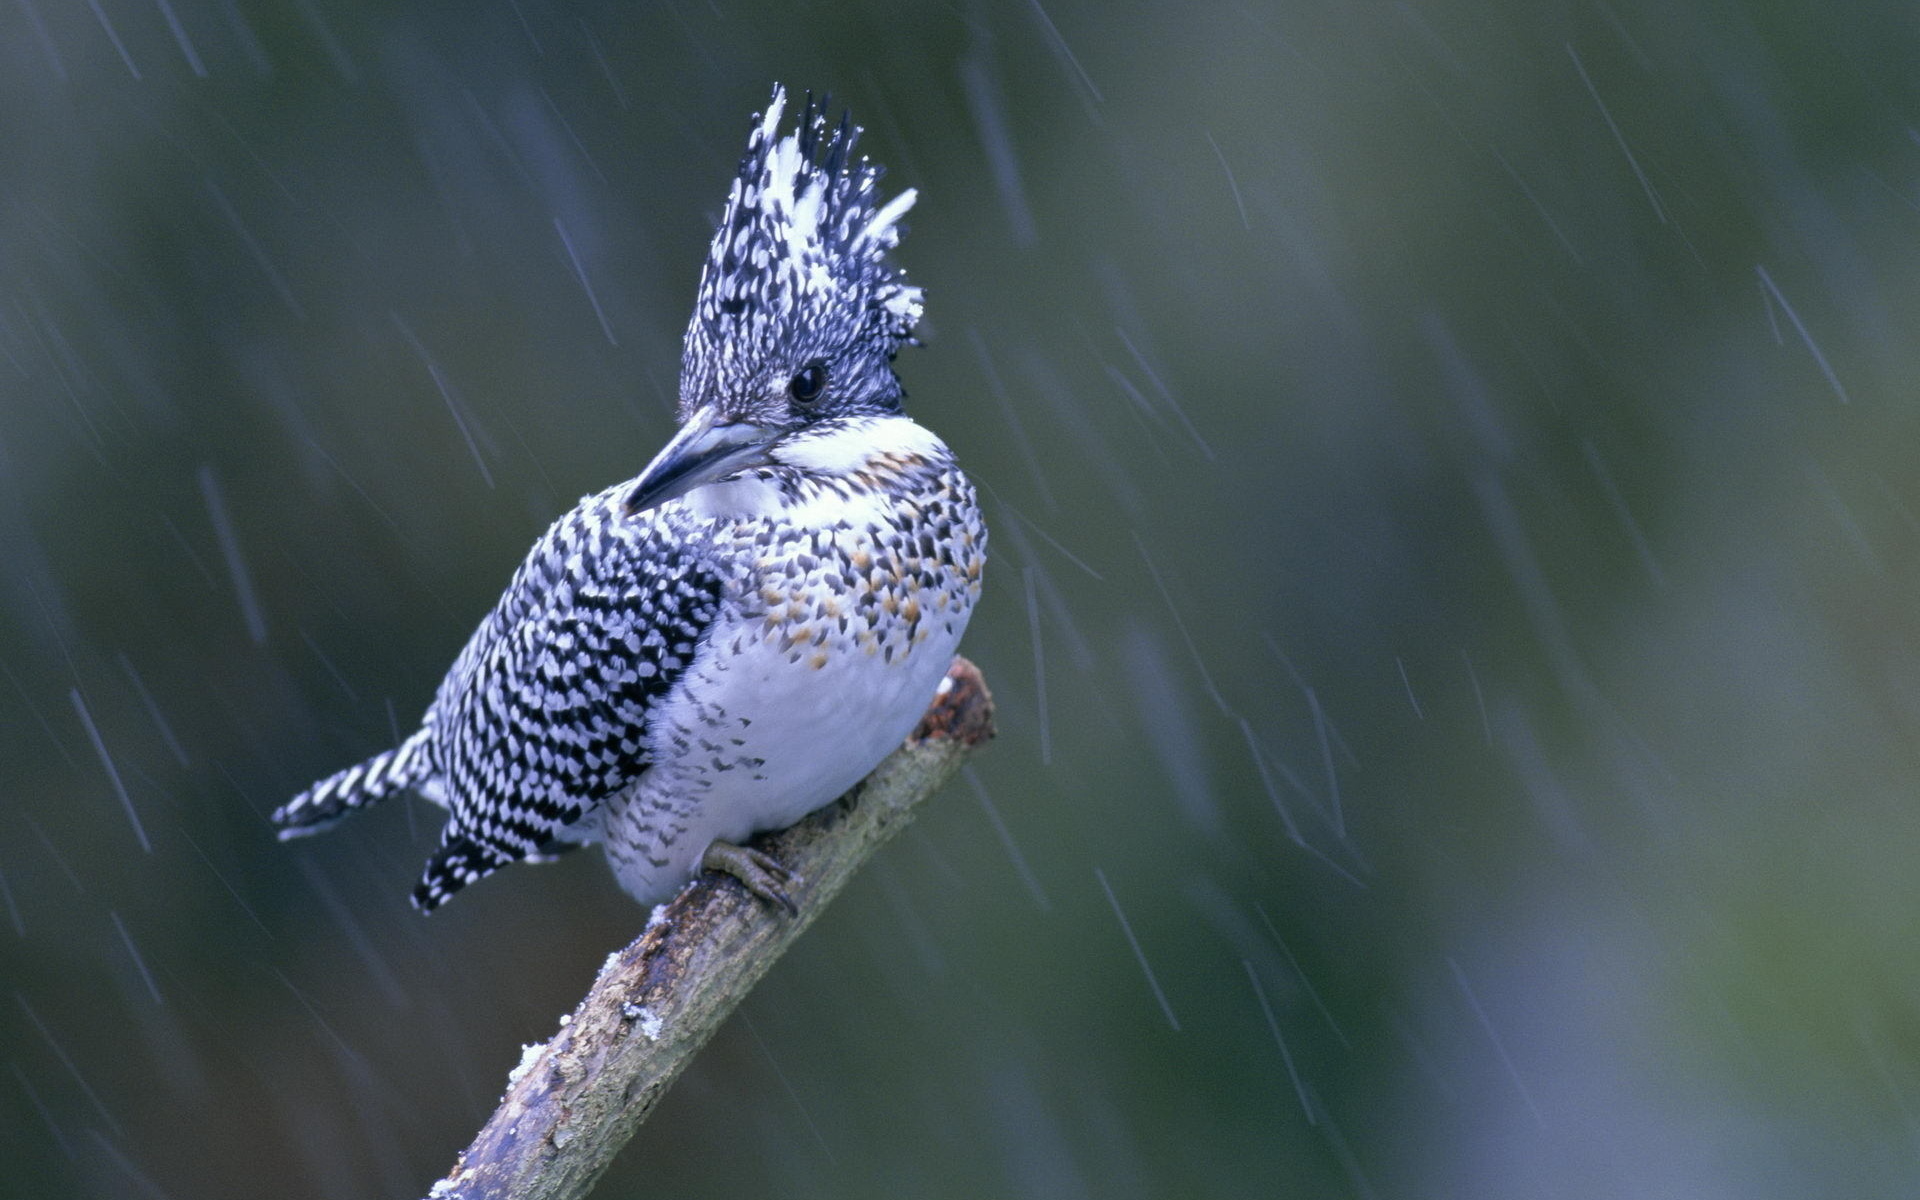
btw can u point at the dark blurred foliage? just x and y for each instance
(1452, 607)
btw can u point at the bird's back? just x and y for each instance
(545, 711)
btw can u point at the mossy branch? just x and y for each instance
(574, 1102)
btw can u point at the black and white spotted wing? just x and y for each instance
(544, 714)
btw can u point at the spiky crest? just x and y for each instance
(799, 265)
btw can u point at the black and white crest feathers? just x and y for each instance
(799, 264)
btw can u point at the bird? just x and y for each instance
(737, 635)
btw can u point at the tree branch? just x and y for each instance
(572, 1103)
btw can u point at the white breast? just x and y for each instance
(815, 731)
(838, 630)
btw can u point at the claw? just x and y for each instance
(758, 872)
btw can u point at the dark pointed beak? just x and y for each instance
(705, 449)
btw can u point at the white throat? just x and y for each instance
(843, 450)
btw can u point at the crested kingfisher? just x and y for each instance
(738, 634)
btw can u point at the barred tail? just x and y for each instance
(406, 765)
(459, 862)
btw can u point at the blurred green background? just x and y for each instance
(1452, 472)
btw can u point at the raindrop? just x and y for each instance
(114, 37)
(1061, 48)
(113, 772)
(259, 253)
(526, 28)
(1800, 328)
(1193, 651)
(1312, 992)
(1003, 163)
(40, 1106)
(1286, 1055)
(1326, 760)
(328, 664)
(600, 59)
(66, 1061)
(1039, 669)
(1539, 208)
(13, 909)
(447, 395)
(1479, 697)
(1013, 424)
(179, 32)
(792, 1095)
(586, 285)
(1027, 877)
(1493, 1036)
(139, 962)
(230, 549)
(1166, 394)
(1139, 954)
(336, 53)
(1408, 684)
(1620, 139)
(1233, 185)
(45, 39)
(153, 712)
(377, 969)
(146, 1186)
(53, 852)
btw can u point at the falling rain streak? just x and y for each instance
(1454, 607)
(1313, 993)
(1166, 395)
(1039, 668)
(1494, 1039)
(113, 772)
(13, 907)
(66, 1060)
(119, 47)
(46, 1115)
(455, 409)
(230, 550)
(985, 102)
(1139, 955)
(160, 723)
(254, 249)
(1232, 185)
(586, 285)
(1338, 813)
(179, 36)
(1800, 327)
(139, 962)
(1407, 683)
(1286, 1055)
(1028, 879)
(1620, 139)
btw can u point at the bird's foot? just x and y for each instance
(758, 872)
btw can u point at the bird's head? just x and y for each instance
(799, 313)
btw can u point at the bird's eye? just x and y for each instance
(809, 383)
